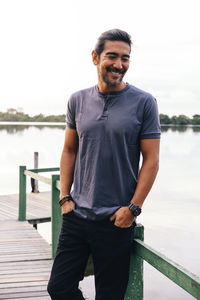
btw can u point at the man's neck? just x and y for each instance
(104, 88)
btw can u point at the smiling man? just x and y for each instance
(108, 126)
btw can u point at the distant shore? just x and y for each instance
(13, 115)
(31, 123)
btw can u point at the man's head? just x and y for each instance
(112, 35)
(111, 56)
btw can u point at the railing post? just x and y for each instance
(34, 182)
(55, 213)
(22, 194)
(135, 285)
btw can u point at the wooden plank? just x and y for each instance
(25, 295)
(19, 268)
(33, 298)
(18, 271)
(25, 247)
(38, 288)
(28, 272)
(25, 279)
(23, 284)
(24, 258)
(38, 206)
(32, 247)
(25, 252)
(26, 263)
(44, 196)
(28, 245)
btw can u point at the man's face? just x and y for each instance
(112, 63)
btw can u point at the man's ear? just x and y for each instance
(95, 58)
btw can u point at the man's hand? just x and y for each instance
(123, 217)
(67, 207)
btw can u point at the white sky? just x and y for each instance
(45, 51)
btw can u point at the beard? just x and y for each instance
(111, 83)
(105, 76)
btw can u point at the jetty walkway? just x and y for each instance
(25, 257)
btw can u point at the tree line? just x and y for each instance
(179, 120)
(16, 116)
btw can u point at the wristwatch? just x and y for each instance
(136, 210)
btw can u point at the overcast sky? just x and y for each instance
(45, 51)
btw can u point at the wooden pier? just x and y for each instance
(25, 257)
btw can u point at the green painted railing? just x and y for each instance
(141, 251)
(182, 277)
(54, 181)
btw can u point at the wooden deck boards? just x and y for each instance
(38, 206)
(25, 257)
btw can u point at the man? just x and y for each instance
(108, 126)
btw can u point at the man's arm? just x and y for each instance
(150, 152)
(67, 164)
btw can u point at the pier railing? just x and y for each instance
(141, 251)
(54, 182)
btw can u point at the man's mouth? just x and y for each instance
(115, 71)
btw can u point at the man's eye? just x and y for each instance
(111, 56)
(125, 59)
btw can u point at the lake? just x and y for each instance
(170, 213)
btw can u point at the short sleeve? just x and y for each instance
(70, 115)
(151, 123)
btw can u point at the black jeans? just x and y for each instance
(110, 248)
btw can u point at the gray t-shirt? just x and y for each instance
(110, 127)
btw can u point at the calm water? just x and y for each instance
(170, 213)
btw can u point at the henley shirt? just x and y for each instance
(109, 127)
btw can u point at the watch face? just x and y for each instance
(136, 210)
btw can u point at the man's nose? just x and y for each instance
(118, 64)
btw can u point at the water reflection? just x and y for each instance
(179, 128)
(13, 128)
(196, 129)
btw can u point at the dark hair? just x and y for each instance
(112, 35)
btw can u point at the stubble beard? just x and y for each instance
(111, 83)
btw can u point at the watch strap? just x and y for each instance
(65, 199)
